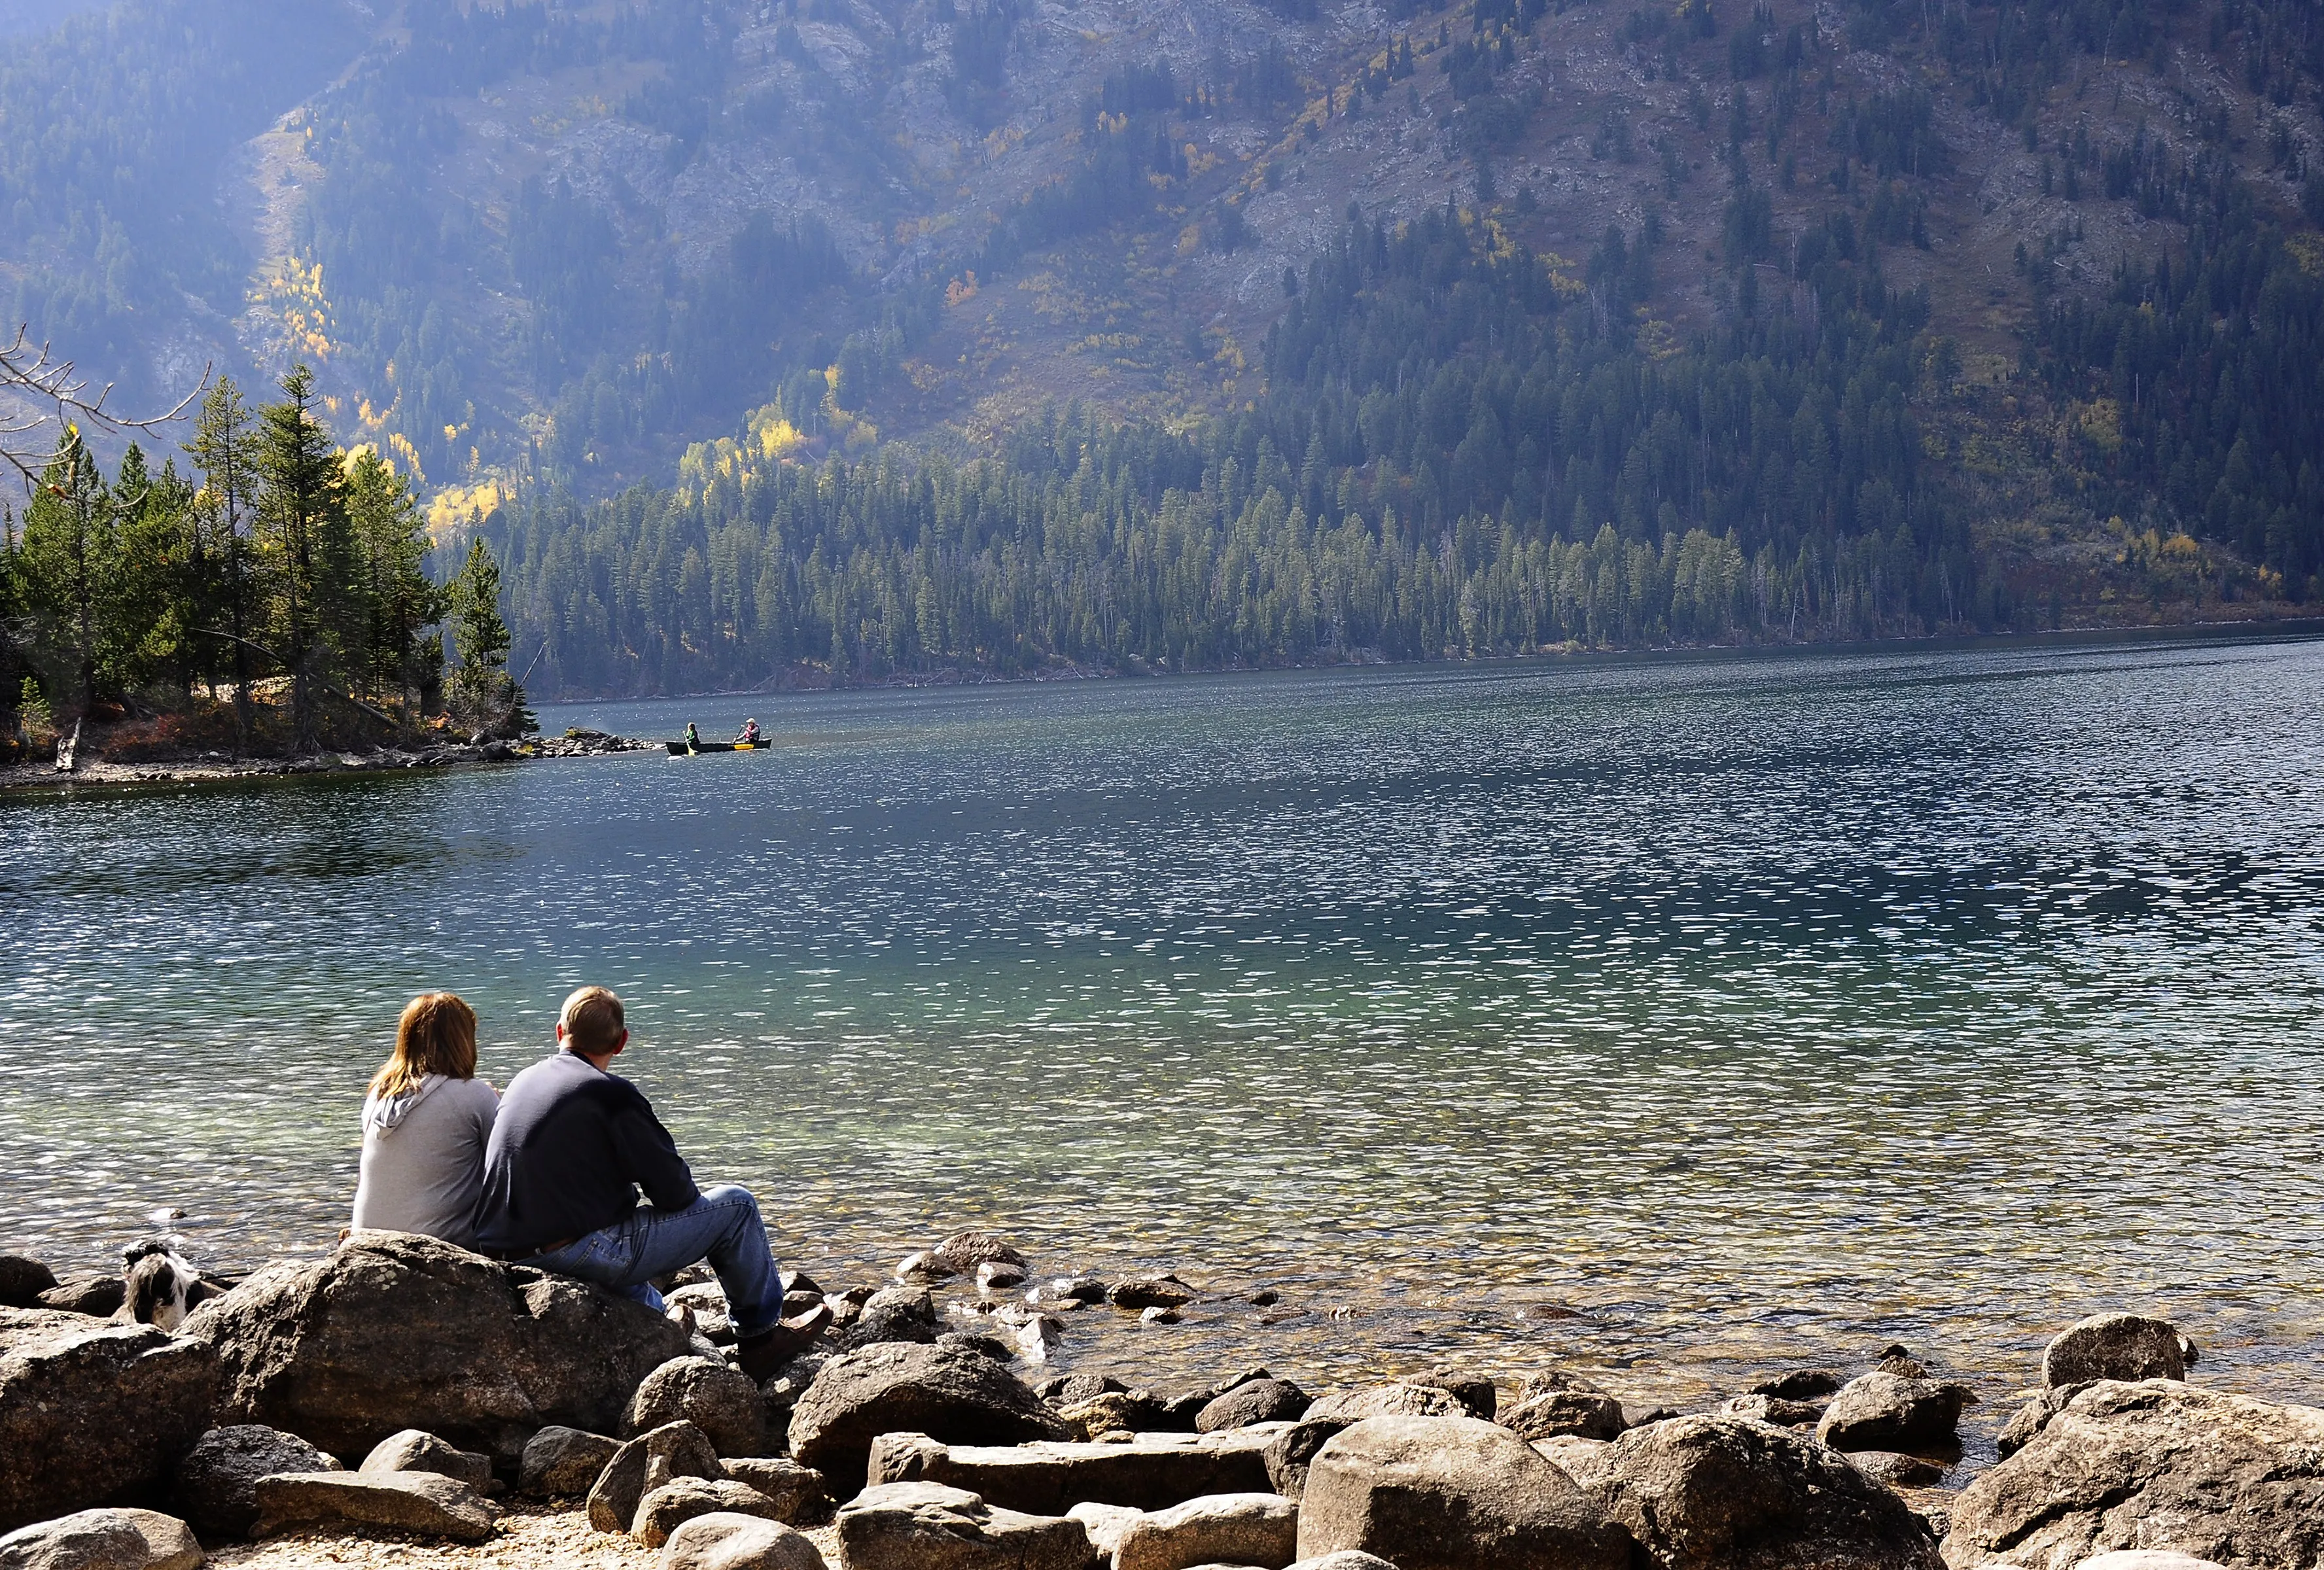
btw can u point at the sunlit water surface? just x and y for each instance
(1673, 1019)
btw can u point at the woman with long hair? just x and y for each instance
(425, 1124)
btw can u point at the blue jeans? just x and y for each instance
(722, 1226)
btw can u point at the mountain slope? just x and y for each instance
(554, 246)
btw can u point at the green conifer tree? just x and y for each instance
(68, 563)
(482, 695)
(303, 522)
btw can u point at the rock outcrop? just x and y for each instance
(1451, 1493)
(394, 1331)
(215, 1487)
(953, 1397)
(1727, 1493)
(2154, 1464)
(93, 1413)
(2120, 1346)
(103, 1539)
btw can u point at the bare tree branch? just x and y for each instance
(62, 393)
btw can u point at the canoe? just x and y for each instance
(679, 749)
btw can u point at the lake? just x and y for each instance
(1673, 1019)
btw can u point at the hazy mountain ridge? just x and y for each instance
(534, 246)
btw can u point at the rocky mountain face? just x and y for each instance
(561, 243)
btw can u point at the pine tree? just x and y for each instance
(303, 519)
(482, 695)
(68, 563)
(399, 600)
(227, 567)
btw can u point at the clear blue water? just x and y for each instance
(1671, 1018)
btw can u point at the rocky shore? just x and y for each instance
(210, 768)
(403, 1400)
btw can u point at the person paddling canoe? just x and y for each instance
(750, 735)
(693, 738)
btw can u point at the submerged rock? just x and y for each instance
(2155, 1465)
(963, 1252)
(396, 1331)
(90, 1413)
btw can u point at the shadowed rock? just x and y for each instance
(1890, 1411)
(559, 1462)
(216, 1488)
(394, 1331)
(1722, 1493)
(1152, 1472)
(926, 1526)
(646, 1462)
(417, 1450)
(90, 1413)
(721, 1402)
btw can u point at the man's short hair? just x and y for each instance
(592, 1020)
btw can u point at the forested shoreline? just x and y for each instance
(272, 599)
(1462, 451)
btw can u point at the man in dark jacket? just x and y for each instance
(570, 1149)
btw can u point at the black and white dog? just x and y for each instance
(160, 1285)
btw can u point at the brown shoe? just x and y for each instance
(762, 1354)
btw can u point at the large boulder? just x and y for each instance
(729, 1541)
(2154, 1464)
(1151, 1471)
(216, 1485)
(2123, 1347)
(953, 1397)
(1726, 1493)
(1893, 1411)
(103, 1539)
(93, 1413)
(897, 1314)
(395, 1331)
(1231, 1529)
(425, 1503)
(720, 1400)
(1451, 1493)
(926, 1526)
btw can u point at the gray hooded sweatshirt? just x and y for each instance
(423, 1159)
